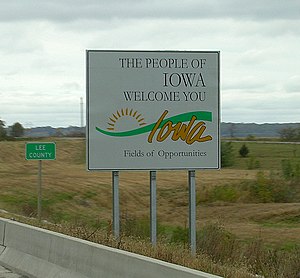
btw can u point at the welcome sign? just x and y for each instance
(149, 110)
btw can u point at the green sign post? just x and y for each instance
(40, 151)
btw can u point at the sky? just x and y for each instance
(43, 52)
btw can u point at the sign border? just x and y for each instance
(149, 51)
(28, 143)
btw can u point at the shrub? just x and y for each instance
(225, 193)
(289, 171)
(218, 243)
(244, 151)
(253, 164)
(260, 190)
(266, 190)
(180, 235)
(130, 226)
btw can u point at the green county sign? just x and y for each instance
(40, 151)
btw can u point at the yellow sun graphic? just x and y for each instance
(125, 112)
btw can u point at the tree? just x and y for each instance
(244, 151)
(227, 155)
(290, 134)
(2, 130)
(17, 130)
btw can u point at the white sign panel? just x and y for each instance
(149, 110)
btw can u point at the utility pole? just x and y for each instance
(81, 112)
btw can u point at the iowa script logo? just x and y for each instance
(189, 127)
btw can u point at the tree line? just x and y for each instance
(288, 134)
(16, 130)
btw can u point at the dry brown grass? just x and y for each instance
(90, 192)
(72, 194)
(172, 253)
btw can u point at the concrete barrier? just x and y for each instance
(2, 231)
(40, 253)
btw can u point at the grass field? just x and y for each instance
(226, 198)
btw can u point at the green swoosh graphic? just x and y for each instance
(200, 115)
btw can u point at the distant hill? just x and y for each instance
(252, 129)
(240, 130)
(57, 132)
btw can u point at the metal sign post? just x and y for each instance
(153, 221)
(192, 211)
(116, 207)
(40, 151)
(39, 191)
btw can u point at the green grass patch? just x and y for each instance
(264, 189)
(267, 155)
(279, 225)
(292, 221)
(89, 194)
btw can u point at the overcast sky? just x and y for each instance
(43, 44)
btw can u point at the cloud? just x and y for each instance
(292, 84)
(43, 44)
(260, 108)
(74, 86)
(14, 40)
(57, 10)
(40, 109)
